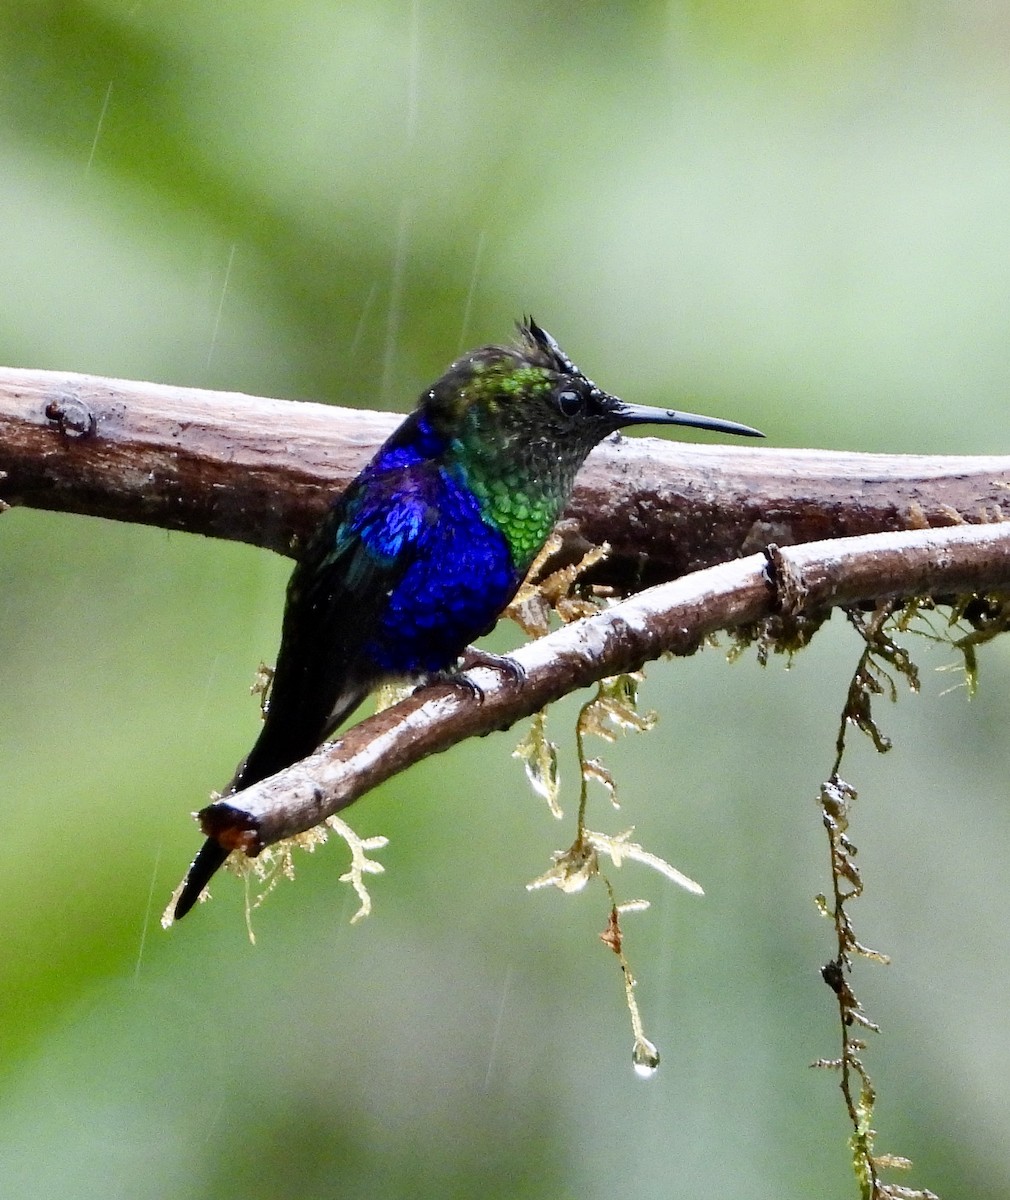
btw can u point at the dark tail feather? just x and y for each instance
(282, 741)
(211, 856)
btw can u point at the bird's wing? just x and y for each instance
(360, 552)
(334, 600)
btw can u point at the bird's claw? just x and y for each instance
(468, 685)
(472, 657)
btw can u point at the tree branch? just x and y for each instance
(669, 618)
(262, 471)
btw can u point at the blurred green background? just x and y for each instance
(792, 214)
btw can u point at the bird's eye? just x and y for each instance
(570, 403)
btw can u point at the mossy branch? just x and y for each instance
(881, 664)
(261, 471)
(785, 585)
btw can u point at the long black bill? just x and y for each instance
(642, 414)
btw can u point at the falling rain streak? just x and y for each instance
(220, 305)
(413, 71)
(468, 307)
(98, 127)
(395, 302)
(359, 331)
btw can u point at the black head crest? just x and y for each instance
(545, 347)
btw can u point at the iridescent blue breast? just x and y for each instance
(458, 575)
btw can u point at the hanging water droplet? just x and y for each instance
(645, 1058)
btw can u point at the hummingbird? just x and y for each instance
(428, 544)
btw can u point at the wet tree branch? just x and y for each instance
(673, 617)
(261, 471)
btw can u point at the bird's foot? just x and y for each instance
(472, 657)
